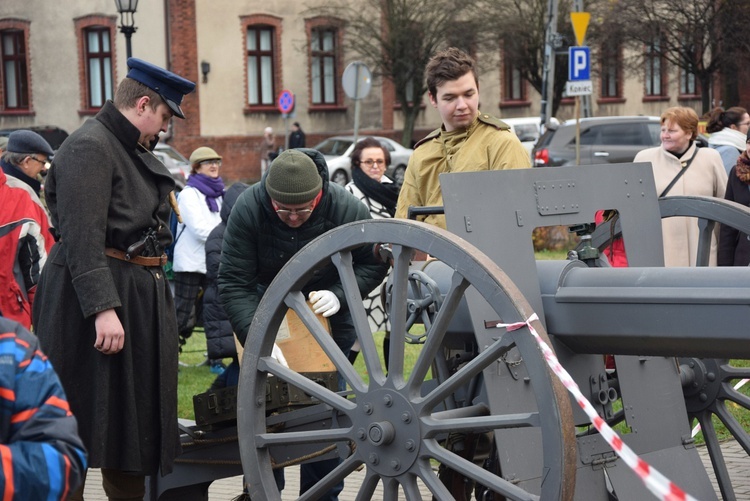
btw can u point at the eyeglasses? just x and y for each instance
(43, 162)
(380, 162)
(297, 212)
(217, 163)
(292, 212)
(743, 123)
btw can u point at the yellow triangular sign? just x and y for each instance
(580, 22)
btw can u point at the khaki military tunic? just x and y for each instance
(488, 144)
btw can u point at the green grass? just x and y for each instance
(411, 352)
(193, 379)
(551, 254)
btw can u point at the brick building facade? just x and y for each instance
(69, 55)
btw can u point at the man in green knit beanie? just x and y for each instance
(293, 204)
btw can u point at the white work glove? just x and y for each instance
(324, 302)
(278, 355)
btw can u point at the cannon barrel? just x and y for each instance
(648, 311)
(687, 312)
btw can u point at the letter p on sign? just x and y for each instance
(579, 63)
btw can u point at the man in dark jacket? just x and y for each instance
(293, 204)
(219, 333)
(296, 137)
(103, 310)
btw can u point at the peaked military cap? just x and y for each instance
(170, 86)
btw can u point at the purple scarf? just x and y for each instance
(213, 188)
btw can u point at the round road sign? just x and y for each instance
(286, 101)
(357, 80)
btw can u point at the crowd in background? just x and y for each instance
(219, 257)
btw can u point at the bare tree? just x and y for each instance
(736, 48)
(398, 37)
(520, 26)
(693, 35)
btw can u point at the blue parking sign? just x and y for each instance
(579, 63)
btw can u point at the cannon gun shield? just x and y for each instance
(498, 211)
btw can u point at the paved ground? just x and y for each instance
(739, 469)
(229, 488)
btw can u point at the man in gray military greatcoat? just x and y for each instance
(103, 311)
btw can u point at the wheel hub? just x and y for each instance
(387, 432)
(703, 385)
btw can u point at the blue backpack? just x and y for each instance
(173, 224)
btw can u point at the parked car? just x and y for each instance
(337, 149)
(178, 165)
(528, 130)
(53, 135)
(603, 140)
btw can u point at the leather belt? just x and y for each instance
(139, 260)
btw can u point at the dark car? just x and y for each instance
(53, 135)
(603, 140)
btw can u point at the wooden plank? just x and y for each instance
(301, 351)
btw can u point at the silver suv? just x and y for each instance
(603, 140)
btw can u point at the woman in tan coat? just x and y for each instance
(704, 175)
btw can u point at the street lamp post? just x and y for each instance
(127, 8)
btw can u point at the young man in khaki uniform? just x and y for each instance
(467, 141)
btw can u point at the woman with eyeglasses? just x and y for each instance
(369, 182)
(728, 129)
(200, 207)
(379, 193)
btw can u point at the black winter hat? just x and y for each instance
(293, 178)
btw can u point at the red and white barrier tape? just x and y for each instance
(739, 385)
(658, 484)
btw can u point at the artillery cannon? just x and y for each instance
(479, 412)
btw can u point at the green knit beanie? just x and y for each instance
(293, 178)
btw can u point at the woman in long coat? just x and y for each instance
(704, 175)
